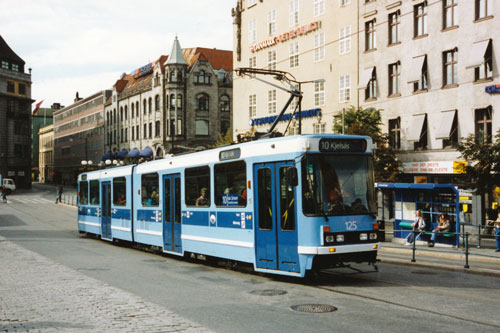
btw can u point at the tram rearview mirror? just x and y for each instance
(291, 176)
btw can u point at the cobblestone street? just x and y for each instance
(37, 294)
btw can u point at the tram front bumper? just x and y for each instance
(348, 248)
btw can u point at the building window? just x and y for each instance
(121, 135)
(395, 133)
(252, 31)
(137, 109)
(452, 141)
(202, 127)
(252, 63)
(150, 130)
(319, 93)
(145, 131)
(126, 112)
(319, 46)
(394, 26)
(132, 110)
(15, 67)
(483, 125)
(224, 105)
(395, 79)
(294, 12)
(271, 22)
(319, 7)
(179, 102)
(294, 54)
(370, 35)
(421, 84)
(224, 126)
(202, 102)
(121, 113)
(21, 89)
(345, 40)
(450, 68)
(144, 106)
(11, 87)
(271, 60)
(137, 134)
(133, 133)
(157, 128)
(420, 19)
(450, 13)
(252, 105)
(150, 100)
(5, 64)
(126, 134)
(483, 8)
(344, 2)
(421, 144)
(319, 128)
(271, 101)
(172, 102)
(484, 71)
(157, 102)
(371, 88)
(345, 88)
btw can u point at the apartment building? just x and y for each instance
(316, 41)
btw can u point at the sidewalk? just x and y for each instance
(480, 260)
(37, 294)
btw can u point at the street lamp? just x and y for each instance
(87, 164)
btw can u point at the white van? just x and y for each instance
(9, 185)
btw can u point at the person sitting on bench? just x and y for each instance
(443, 226)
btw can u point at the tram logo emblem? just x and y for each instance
(351, 225)
(213, 219)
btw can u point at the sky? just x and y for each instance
(85, 45)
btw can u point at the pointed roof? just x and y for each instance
(176, 56)
(7, 53)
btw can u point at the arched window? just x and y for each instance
(157, 102)
(179, 76)
(137, 109)
(172, 102)
(114, 116)
(132, 110)
(150, 104)
(172, 76)
(126, 112)
(121, 113)
(107, 118)
(179, 102)
(202, 102)
(201, 127)
(144, 106)
(224, 103)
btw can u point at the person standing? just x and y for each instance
(59, 193)
(4, 194)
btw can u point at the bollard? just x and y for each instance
(466, 250)
(413, 245)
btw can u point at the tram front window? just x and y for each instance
(337, 185)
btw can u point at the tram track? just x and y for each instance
(435, 312)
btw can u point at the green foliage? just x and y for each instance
(224, 140)
(367, 122)
(482, 172)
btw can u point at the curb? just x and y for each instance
(447, 255)
(479, 271)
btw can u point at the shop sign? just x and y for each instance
(434, 167)
(11, 173)
(303, 30)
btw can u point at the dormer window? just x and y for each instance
(15, 67)
(202, 77)
(5, 64)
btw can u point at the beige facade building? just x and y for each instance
(427, 65)
(46, 154)
(316, 41)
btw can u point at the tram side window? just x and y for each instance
(230, 184)
(197, 188)
(84, 193)
(94, 192)
(119, 191)
(149, 191)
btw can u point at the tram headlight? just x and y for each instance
(329, 238)
(363, 236)
(340, 238)
(373, 235)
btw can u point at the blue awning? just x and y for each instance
(121, 155)
(133, 153)
(107, 156)
(146, 152)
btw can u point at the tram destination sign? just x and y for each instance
(342, 146)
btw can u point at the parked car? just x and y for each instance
(9, 185)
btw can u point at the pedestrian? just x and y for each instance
(497, 231)
(4, 194)
(59, 193)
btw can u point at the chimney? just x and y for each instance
(77, 98)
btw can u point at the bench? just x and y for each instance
(409, 226)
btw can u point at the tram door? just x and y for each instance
(106, 210)
(172, 213)
(275, 225)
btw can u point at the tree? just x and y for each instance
(367, 122)
(482, 172)
(224, 140)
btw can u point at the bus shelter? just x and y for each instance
(432, 199)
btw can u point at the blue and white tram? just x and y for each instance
(286, 205)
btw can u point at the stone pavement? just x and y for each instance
(39, 295)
